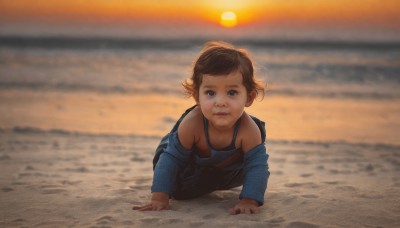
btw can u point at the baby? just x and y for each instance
(215, 145)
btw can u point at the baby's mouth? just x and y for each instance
(221, 113)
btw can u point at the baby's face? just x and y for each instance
(222, 99)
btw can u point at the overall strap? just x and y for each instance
(235, 132)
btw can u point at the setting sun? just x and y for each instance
(228, 19)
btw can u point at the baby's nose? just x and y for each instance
(220, 101)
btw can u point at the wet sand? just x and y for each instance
(290, 118)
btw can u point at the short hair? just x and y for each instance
(221, 58)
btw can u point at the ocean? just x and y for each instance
(317, 91)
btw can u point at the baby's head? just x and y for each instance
(220, 59)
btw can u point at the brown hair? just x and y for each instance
(220, 58)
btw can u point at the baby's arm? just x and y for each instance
(170, 162)
(256, 174)
(255, 171)
(254, 182)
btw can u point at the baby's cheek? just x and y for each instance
(208, 105)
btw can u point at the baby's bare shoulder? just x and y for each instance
(189, 129)
(250, 134)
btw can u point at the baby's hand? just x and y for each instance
(159, 201)
(245, 206)
(152, 206)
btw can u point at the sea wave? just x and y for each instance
(63, 87)
(27, 130)
(356, 71)
(63, 132)
(174, 44)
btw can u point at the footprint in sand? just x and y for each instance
(82, 169)
(5, 157)
(128, 223)
(33, 174)
(137, 158)
(370, 196)
(334, 171)
(173, 221)
(123, 192)
(143, 180)
(52, 189)
(105, 220)
(306, 175)
(29, 168)
(289, 200)
(301, 162)
(293, 185)
(55, 145)
(296, 185)
(67, 182)
(310, 196)
(275, 221)
(7, 189)
(332, 182)
(347, 188)
(133, 187)
(209, 216)
(19, 221)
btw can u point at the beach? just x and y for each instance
(60, 179)
(79, 127)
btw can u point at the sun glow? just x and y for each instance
(310, 14)
(228, 19)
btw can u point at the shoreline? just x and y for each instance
(34, 130)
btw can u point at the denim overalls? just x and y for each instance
(199, 176)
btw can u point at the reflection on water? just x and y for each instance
(288, 118)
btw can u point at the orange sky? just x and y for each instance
(354, 11)
(347, 13)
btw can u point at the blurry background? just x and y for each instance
(116, 67)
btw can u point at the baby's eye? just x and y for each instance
(210, 93)
(232, 92)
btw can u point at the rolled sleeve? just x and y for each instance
(256, 174)
(171, 160)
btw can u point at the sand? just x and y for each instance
(63, 179)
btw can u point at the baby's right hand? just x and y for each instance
(159, 201)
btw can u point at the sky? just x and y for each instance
(361, 19)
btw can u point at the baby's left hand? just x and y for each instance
(245, 206)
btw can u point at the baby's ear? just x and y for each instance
(250, 98)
